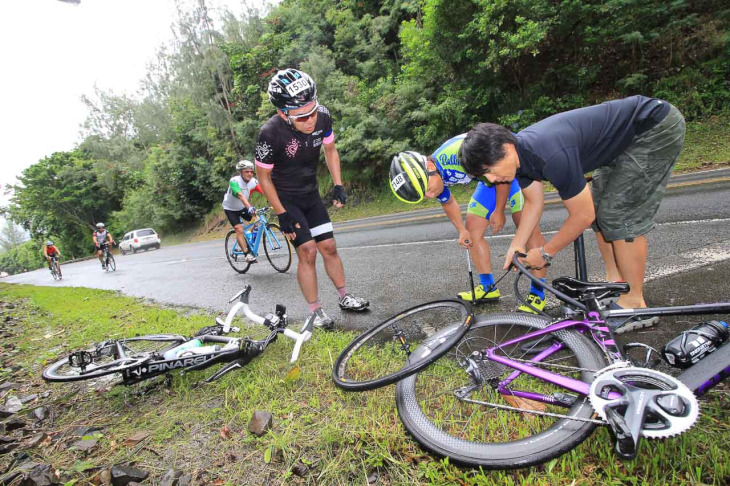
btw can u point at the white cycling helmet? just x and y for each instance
(244, 165)
(100, 225)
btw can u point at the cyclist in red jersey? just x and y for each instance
(50, 252)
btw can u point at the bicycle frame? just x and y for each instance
(236, 351)
(254, 245)
(594, 325)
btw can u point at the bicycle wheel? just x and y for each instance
(235, 257)
(103, 358)
(110, 263)
(277, 248)
(433, 405)
(54, 271)
(402, 345)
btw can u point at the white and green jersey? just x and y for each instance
(235, 186)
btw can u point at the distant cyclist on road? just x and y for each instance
(414, 176)
(287, 153)
(236, 202)
(101, 238)
(50, 252)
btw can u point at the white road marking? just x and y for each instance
(697, 258)
(511, 235)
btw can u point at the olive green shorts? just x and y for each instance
(627, 192)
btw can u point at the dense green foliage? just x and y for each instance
(395, 74)
(21, 258)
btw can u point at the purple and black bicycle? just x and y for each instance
(512, 390)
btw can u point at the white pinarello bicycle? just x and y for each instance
(139, 358)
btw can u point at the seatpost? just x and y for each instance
(579, 253)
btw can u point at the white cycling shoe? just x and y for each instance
(352, 303)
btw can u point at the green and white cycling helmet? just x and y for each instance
(244, 165)
(408, 177)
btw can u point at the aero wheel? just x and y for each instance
(110, 263)
(104, 358)
(402, 345)
(236, 258)
(277, 248)
(481, 413)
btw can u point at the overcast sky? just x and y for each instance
(52, 52)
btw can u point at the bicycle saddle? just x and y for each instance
(576, 289)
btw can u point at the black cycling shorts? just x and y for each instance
(234, 217)
(309, 211)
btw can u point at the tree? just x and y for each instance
(12, 236)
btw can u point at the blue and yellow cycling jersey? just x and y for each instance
(446, 158)
(484, 199)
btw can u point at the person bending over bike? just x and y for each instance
(414, 176)
(50, 252)
(630, 144)
(287, 152)
(236, 202)
(101, 238)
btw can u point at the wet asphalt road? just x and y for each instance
(400, 260)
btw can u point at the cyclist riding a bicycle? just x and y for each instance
(101, 239)
(50, 252)
(414, 177)
(287, 155)
(630, 145)
(236, 202)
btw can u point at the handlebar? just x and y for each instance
(525, 270)
(276, 322)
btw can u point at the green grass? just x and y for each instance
(706, 146)
(342, 438)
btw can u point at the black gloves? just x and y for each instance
(286, 222)
(338, 194)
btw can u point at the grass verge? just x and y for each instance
(320, 435)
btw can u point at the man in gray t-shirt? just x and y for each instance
(630, 144)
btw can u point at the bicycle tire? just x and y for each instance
(110, 263)
(237, 262)
(459, 431)
(54, 271)
(275, 248)
(366, 363)
(106, 361)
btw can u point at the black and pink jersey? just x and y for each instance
(292, 156)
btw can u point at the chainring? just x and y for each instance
(646, 387)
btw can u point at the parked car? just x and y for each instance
(141, 239)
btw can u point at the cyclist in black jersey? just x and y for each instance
(287, 153)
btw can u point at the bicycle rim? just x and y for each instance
(238, 260)
(401, 345)
(277, 248)
(105, 360)
(483, 434)
(110, 263)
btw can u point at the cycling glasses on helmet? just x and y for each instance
(305, 116)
